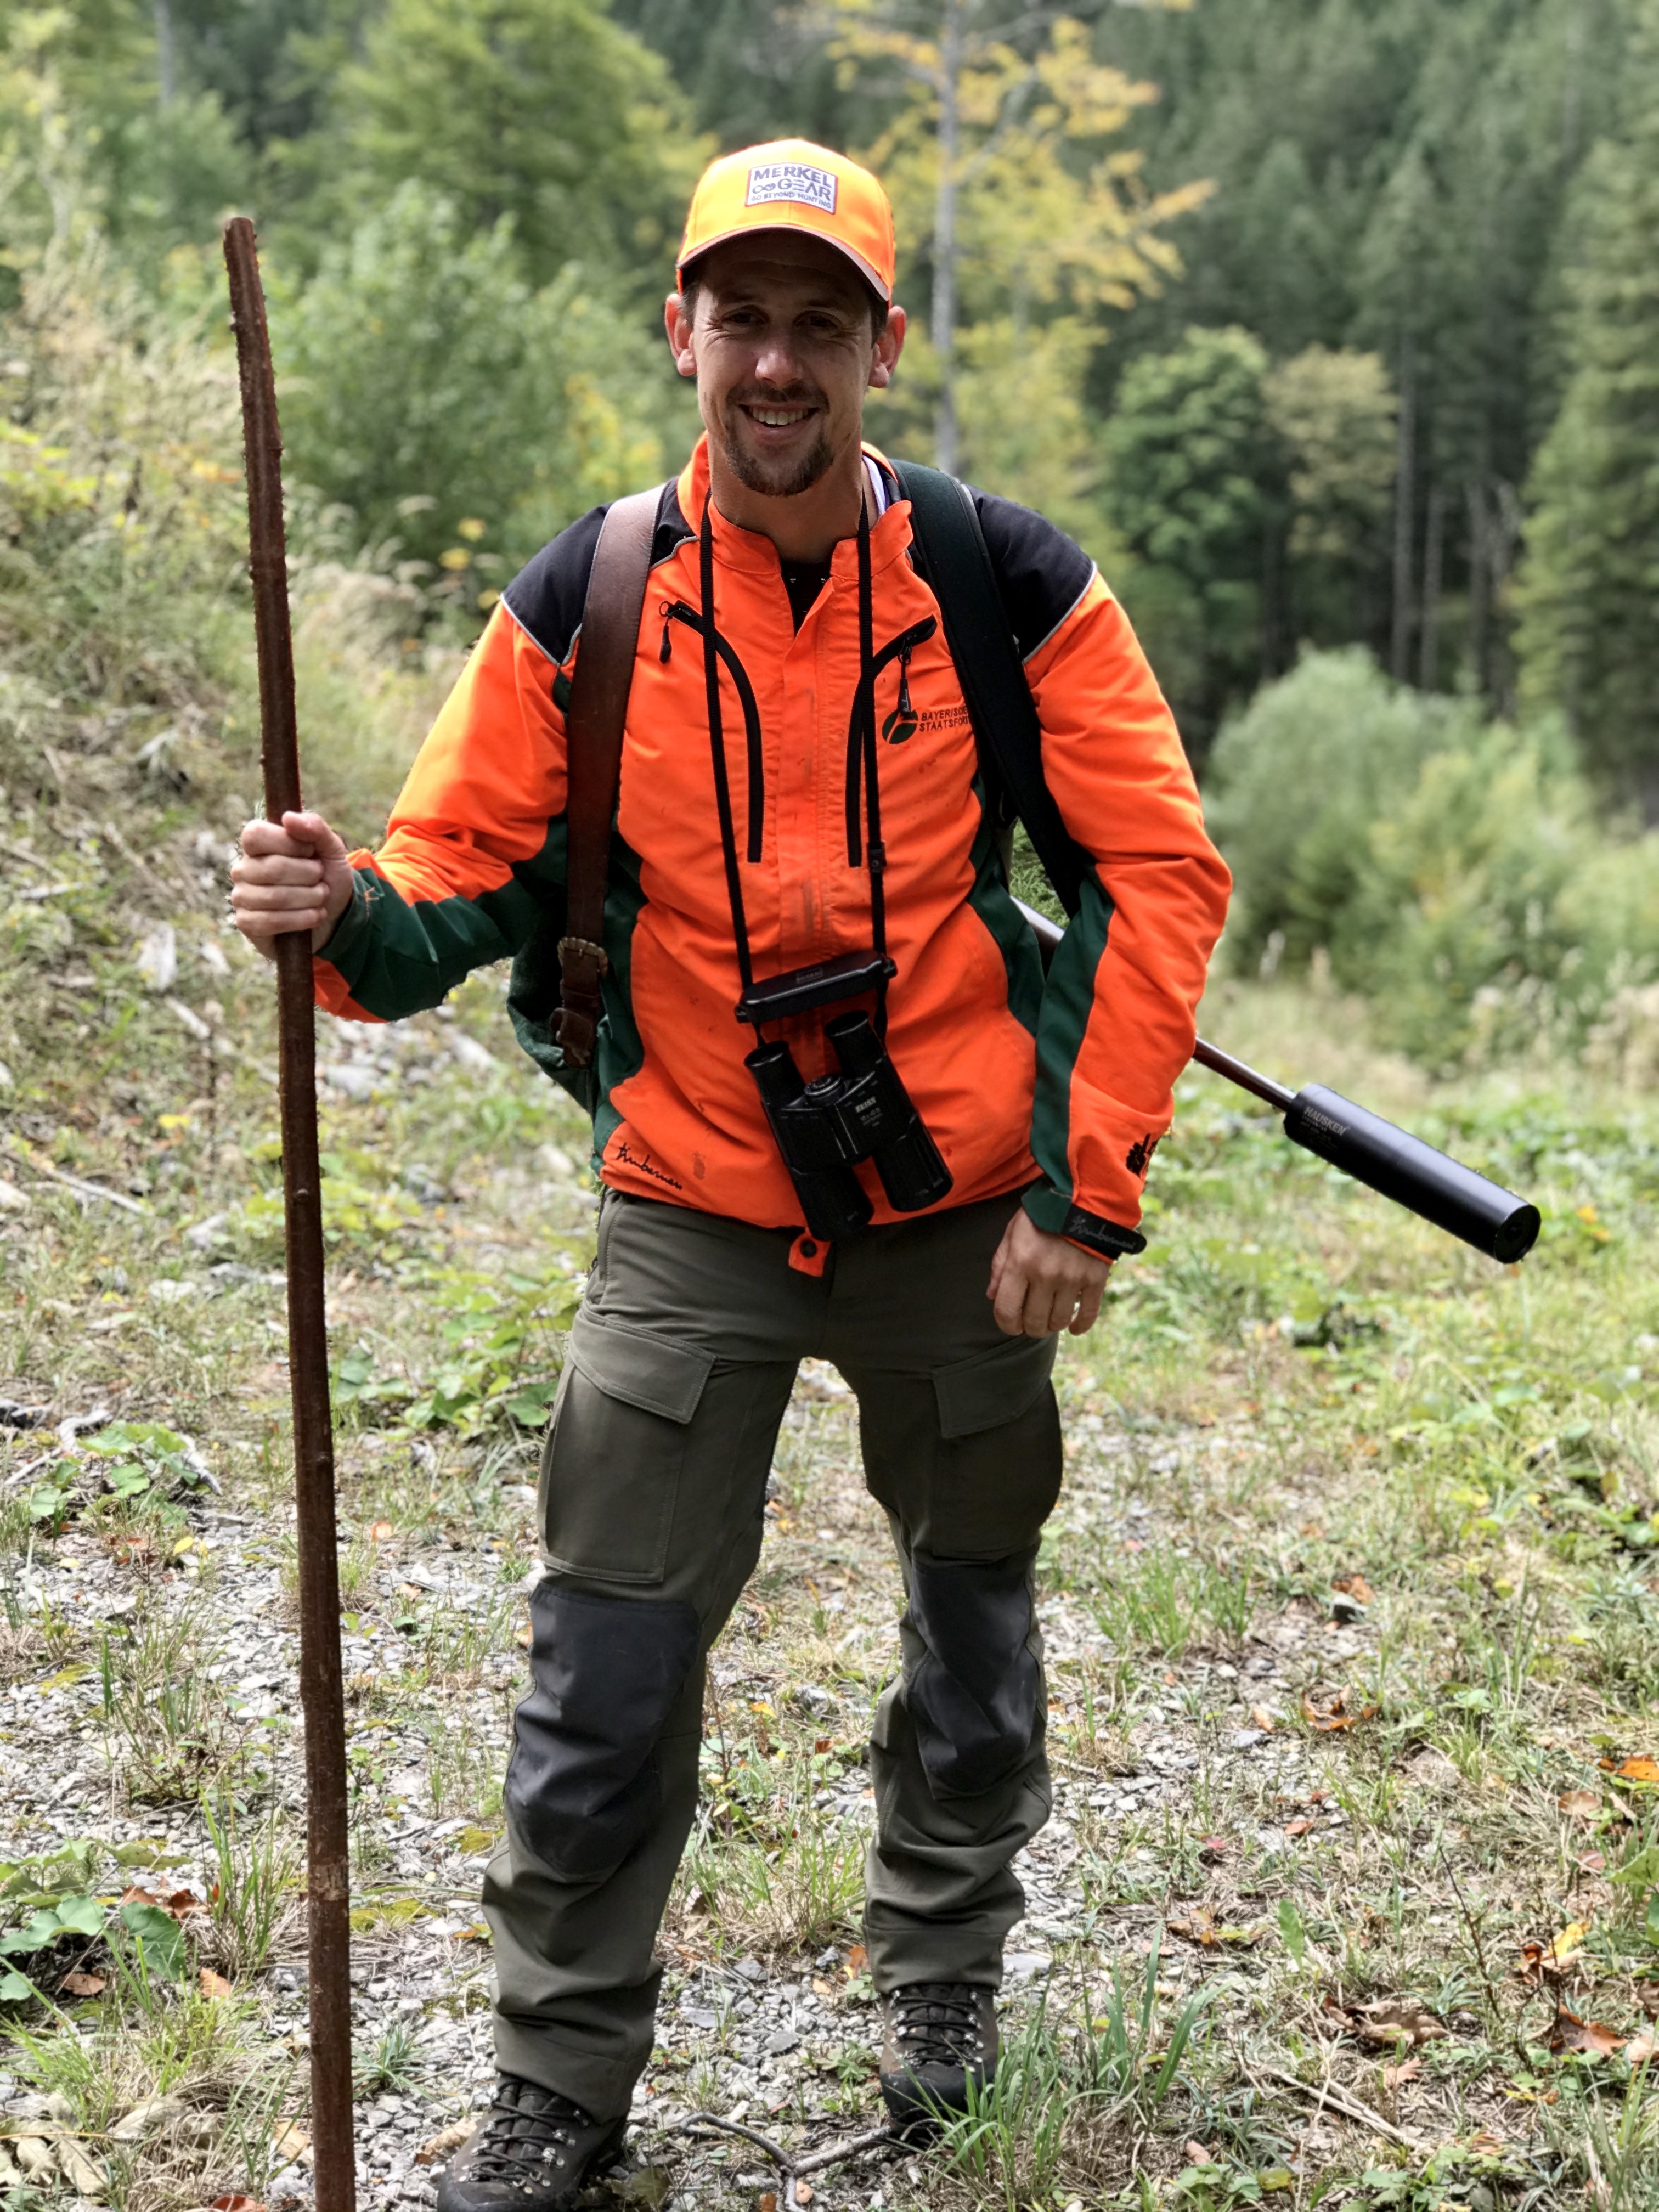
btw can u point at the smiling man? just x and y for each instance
(838, 1112)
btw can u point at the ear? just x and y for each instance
(888, 346)
(676, 323)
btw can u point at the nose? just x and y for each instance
(774, 360)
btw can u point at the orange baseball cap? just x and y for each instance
(789, 184)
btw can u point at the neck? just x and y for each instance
(806, 527)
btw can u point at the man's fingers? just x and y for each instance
(1010, 1306)
(261, 839)
(1088, 1312)
(276, 898)
(277, 868)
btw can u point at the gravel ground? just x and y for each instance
(784, 2043)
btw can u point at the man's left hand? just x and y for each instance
(1041, 1283)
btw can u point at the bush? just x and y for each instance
(1453, 872)
(426, 387)
(1295, 783)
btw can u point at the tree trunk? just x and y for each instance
(1434, 552)
(1479, 584)
(945, 236)
(166, 84)
(1404, 508)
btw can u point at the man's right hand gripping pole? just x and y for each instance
(291, 875)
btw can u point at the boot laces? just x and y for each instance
(938, 2023)
(529, 2135)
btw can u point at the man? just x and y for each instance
(760, 829)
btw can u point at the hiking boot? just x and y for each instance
(532, 2154)
(940, 2037)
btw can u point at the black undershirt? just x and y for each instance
(804, 580)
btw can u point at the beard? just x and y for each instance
(780, 478)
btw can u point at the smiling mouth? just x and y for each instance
(777, 418)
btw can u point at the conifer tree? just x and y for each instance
(1589, 593)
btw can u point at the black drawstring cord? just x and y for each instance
(711, 676)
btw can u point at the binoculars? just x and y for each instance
(825, 1128)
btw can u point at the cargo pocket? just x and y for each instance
(993, 1387)
(612, 1463)
(996, 1470)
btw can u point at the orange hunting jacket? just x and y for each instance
(1060, 1089)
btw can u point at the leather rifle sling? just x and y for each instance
(594, 725)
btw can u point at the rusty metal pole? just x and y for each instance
(328, 1874)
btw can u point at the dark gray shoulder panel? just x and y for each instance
(1041, 572)
(546, 598)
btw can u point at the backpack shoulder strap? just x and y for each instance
(955, 560)
(593, 725)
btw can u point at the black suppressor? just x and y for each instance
(823, 1128)
(1403, 1168)
(1372, 1151)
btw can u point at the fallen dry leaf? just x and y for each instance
(768, 2201)
(1592, 1862)
(1388, 2020)
(1265, 1719)
(180, 1903)
(1198, 2155)
(1591, 2037)
(1395, 2077)
(857, 1958)
(1334, 1713)
(1632, 1769)
(1487, 2145)
(823, 1743)
(1354, 1586)
(447, 2140)
(522, 1637)
(1297, 1827)
(1580, 1805)
(803, 2192)
(234, 2203)
(1569, 1943)
(1647, 1995)
(291, 2142)
(1200, 1929)
(379, 1531)
(1641, 2048)
(212, 1985)
(83, 1986)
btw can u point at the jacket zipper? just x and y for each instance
(678, 611)
(899, 648)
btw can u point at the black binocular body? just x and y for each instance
(824, 1128)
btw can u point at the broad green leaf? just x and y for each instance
(159, 1938)
(83, 1914)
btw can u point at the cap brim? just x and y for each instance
(871, 277)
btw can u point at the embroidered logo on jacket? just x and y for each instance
(1140, 1156)
(792, 181)
(898, 726)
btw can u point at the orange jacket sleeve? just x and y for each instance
(1118, 1015)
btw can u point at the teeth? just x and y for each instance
(777, 419)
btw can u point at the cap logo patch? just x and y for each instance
(792, 181)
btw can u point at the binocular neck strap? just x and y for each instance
(711, 677)
(865, 712)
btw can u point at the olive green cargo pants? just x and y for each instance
(654, 1480)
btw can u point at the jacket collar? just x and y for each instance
(754, 553)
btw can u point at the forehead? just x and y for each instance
(780, 268)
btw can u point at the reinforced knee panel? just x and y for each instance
(976, 1697)
(582, 1785)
